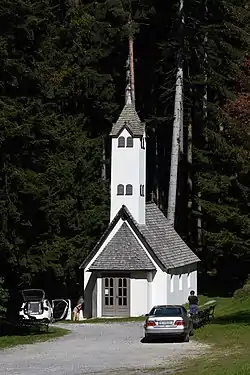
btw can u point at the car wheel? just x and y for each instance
(146, 339)
(186, 338)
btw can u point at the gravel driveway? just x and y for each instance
(95, 349)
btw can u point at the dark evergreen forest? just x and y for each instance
(62, 84)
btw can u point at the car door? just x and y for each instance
(60, 308)
(48, 309)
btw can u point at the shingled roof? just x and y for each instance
(159, 237)
(123, 252)
(165, 242)
(130, 120)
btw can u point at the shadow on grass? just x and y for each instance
(12, 329)
(241, 317)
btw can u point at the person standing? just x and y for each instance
(76, 312)
(78, 308)
(193, 303)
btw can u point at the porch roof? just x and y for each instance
(123, 253)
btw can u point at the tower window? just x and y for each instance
(142, 190)
(180, 282)
(129, 189)
(120, 189)
(130, 142)
(142, 142)
(121, 142)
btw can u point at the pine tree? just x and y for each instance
(57, 100)
(219, 161)
(23, 25)
(215, 41)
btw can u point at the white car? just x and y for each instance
(35, 306)
(168, 321)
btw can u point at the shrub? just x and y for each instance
(244, 292)
(4, 295)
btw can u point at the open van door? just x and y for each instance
(61, 309)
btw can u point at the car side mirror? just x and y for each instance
(146, 315)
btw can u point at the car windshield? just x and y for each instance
(166, 311)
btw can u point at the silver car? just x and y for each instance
(168, 321)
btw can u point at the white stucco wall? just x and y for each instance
(142, 180)
(159, 287)
(138, 293)
(128, 166)
(99, 297)
(179, 284)
(146, 291)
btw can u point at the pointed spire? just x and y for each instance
(128, 96)
(130, 79)
(131, 67)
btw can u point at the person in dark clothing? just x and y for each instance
(193, 303)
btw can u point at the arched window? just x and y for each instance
(129, 189)
(130, 142)
(142, 190)
(121, 142)
(142, 142)
(120, 189)
(172, 284)
(180, 282)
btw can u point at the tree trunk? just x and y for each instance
(204, 110)
(177, 132)
(157, 187)
(104, 169)
(189, 157)
(175, 145)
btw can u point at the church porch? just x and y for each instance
(118, 294)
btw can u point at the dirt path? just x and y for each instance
(96, 349)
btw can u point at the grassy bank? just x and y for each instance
(104, 320)
(10, 338)
(229, 336)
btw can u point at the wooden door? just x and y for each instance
(115, 296)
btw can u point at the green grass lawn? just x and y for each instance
(229, 336)
(103, 320)
(12, 339)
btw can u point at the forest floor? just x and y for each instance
(229, 338)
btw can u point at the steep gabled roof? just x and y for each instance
(130, 120)
(103, 237)
(166, 243)
(120, 254)
(161, 240)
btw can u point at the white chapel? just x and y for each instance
(140, 260)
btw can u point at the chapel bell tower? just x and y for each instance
(128, 155)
